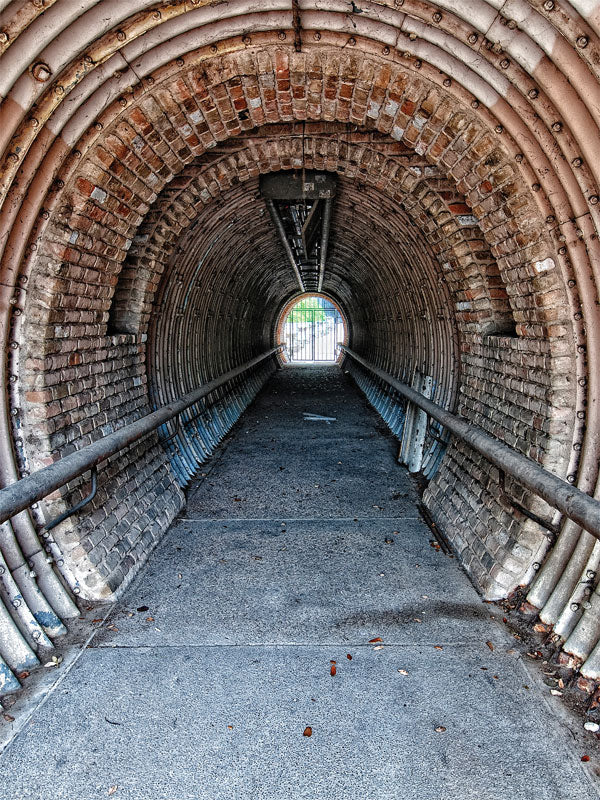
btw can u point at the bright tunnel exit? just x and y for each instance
(312, 329)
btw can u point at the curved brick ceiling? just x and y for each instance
(464, 135)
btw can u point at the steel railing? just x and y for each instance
(20, 495)
(572, 502)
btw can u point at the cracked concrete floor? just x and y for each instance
(205, 678)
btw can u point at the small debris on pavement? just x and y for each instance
(403, 672)
(112, 790)
(307, 731)
(491, 646)
(556, 692)
(375, 640)
(440, 729)
(333, 669)
(143, 608)
(54, 661)
(8, 717)
(585, 758)
(389, 541)
(348, 656)
(592, 726)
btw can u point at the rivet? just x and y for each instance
(17, 312)
(418, 64)
(13, 379)
(13, 158)
(156, 15)
(60, 184)
(535, 566)
(98, 126)
(150, 80)
(557, 127)
(77, 153)
(121, 36)
(533, 93)
(549, 5)
(352, 41)
(511, 24)
(180, 62)
(34, 122)
(437, 17)
(577, 162)
(122, 101)
(505, 63)
(88, 59)
(14, 345)
(550, 219)
(13, 301)
(498, 128)
(474, 103)
(246, 39)
(582, 41)
(23, 278)
(571, 283)
(578, 315)
(581, 415)
(577, 447)
(590, 574)
(581, 348)
(41, 71)
(3, 37)
(282, 35)
(412, 36)
(593, 199)
(213, 48)
(582, 381)
(473, 38)
(571, 478)
(447, 82)
(14, 412)
(519, 158)
(562, 251)
(386, 51)
(574, 606)
(317, 36)
(536, 187)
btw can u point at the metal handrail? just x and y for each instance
(575, 504)
(20, 495)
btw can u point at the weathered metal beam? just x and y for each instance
(575, 504)
(284, 241)
(325, 228)
(20, 495)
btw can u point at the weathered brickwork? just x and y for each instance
(168, 175)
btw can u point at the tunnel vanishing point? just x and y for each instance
(163, 186)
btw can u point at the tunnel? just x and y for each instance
(175, 177)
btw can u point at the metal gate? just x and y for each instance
(312, 329)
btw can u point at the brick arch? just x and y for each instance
(153, 146)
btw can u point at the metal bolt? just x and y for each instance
(473, 38)
(317, 36)
(574, 607)
(3, 37)
(13, 158)
(549, 5)
(282, 35)
(98, 126)
(550, 219)
(418, 64)
(88, 59)
(593, 199)
(352, 41)
(150, 80)
(582, 381)
(386, 51)
(511, 24)
(577, 447)
(447, 82)
(121, 36)
(519, 158)
(14, 345)
(213, 48)
(499, 129)
(581, 415)
(122, 101)
(505, 63)
(571, 283)
(156, 15)
(437, 17)
(577, 162)
(582, 41)
(180, 62)
(34, 122)
(571, 478)
(557, 127)
(246, 39)
(474, 103)
(536, 187)
(578, 315)
(590, 574)
(562, 251)
(535, 566)
(533, 93)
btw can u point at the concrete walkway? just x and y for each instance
(301, 551)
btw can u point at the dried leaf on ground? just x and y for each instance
(491, 646)
(143, 608)
(112, 790)
(440, 729)
(403, 672)
(8, 718)
(333, 670)
(307, 731)
(348, 656)
(376, 639)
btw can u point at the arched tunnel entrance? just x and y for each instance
(183, 184)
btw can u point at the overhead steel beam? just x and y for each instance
(325, 227)
(284, 240)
